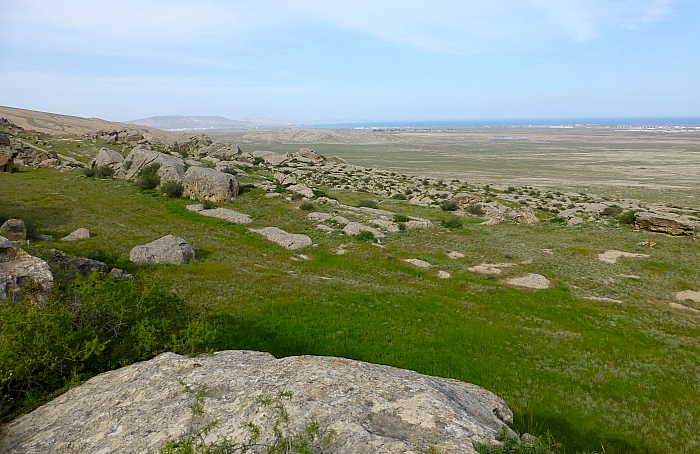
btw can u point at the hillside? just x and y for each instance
(57, 124)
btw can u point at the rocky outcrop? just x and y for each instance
(108, 158)
(308, 155)
(201, 183)
(227, 215)
(14, 230)
(372, 408)
(669, 223)
(166, 250)
(270, 157)
(494, 212)
(291, 241)
(524, 215)
(20, 271)
(190, 143)
(171, 167)
(222, 151)
(355, 228)
(71, 266)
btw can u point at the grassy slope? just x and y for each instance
(624, 376)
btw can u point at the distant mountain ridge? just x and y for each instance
(189, 123)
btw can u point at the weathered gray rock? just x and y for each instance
(227, 215)
(71, 266)
(524, 215)
(77, 235)
(50, 163)
(14, 230)
(419, 263)
(284, 179)
(107, 157)
(220, 150)
(308, 155)
(270, 157)
(595, 208)
(7, 164)
(671, 224)
(166, 250)
(612, 256)
(318, 216)
(291, 241)
(189, 143)
(18, 270)
(301, 189)
(418, 223)
(529, 280)
(201, 183)
(494, 212)
(355, 228)
(171, 167)
(372, 408)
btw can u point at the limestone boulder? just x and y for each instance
(301, 189)
(291, 241)
(308, 155)
(19, 271)
(227, 215)
(169, 249)
(107, 157)
(78, 234)
(171, 167)
(669, 223)
(494, 212)
(201, 183)
(14, 230)
(71, 266)
(529, 280)
(355, 228)
(524, 215)
(190, 143)
(270, 157)
(372, 408)
(221, 150)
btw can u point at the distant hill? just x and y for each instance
(51, 123)
(190, 123)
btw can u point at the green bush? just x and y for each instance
(453, 222)
(612, 211)
(476, 210)
(104, 171)
(365, 236)
(94, 325)
(148, 177)
(449, 205)
(401, 218)
(172, 188)
(627, 217)
(399, 196)
(368, 203)
(307, 206)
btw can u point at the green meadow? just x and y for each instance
(619, 373)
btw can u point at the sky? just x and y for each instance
(311, 61)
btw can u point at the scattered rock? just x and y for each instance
(595, 208)
(227, 215)
(19, 270)
(108, 158)
(291, 241)
(77, 234)
(574, 220)
(284, 179)
(485, 269)
(524, 215)
(443, 274)
(166, 250)
(171, 167)
(419, 263)
(455, 255)
(220, 150)
(529, 280)
(372, 408)
(71, 266)
(688, 295)
(355, 228)
(45, 237)
(201, 183)
(301, 189)
(7, 163)
(270, 157)
(671, 224)
(308, 155)
(317, 216)
(612, 256)
(118, 273)
(189, 143)
(684, 307)
(196, 207)
(14, 230)
(418, 224)
(494, 213)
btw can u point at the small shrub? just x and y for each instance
(449, 205)
(401, 218)
(612, 211)
(628, 217)
(476, 210)
(171, 188)
(148, 177)
(307, 206)
(89, 172)
(231, 170)
(257, 161)
(208, 204)
(365, 236)
(368, 203)
(127, 165)
(453, 222)
(399, 196)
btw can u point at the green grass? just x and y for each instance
(619, 377)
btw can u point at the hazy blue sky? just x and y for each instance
(326, 60)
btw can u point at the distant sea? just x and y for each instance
(682, 121)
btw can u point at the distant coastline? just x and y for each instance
(630, 121)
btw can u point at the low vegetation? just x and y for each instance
(600, 360)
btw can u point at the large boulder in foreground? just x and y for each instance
(20, 271)
(372, 408)
(201, 183)
(668, 223)
(170, 249)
